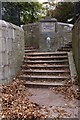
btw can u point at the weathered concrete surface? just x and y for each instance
(52, 101)
(11, 50)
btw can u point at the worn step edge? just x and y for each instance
(44, 77)
(65, 46)
(55, 66)
(45, 61)
(28, 46)
(47, 53)
(40, 84)
(64, 50)
(48, 66)
(26, 50)
(53, 57)
(46, 71)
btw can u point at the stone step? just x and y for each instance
(29, 47)
(46, 72)
(27, 50)
(46, 53)
(66, 50)
(44, 78)
(44, 84)
(48, 67)
(66, 47)
(45, 61)
(70, 42)
(46, 57)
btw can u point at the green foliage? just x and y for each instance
(21, 12)
(30, 12)
(63, 11)
(10, 12)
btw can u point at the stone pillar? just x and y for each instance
(47, 31)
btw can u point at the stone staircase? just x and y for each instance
(67, 47)
(45, 69)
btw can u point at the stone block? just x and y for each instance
(12, 69)
(10, 33)
(0, 33)
(2, 44)
(1, 73)
(5, 32)
(6, 71)
(5, 58)
(8, 45)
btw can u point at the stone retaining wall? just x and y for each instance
(62, 35)
(11, 50)
(76, 45)
(31, 34)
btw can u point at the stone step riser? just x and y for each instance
(55, 55)
(29, 47)
(69, 45)
(64, 50)
(42, 73)
(44, 79)
(56, 58)
(66, 46)
(46, 68)
(45, 62)
(30, 50)
(58, 63)
(41, 86)
(32, 85)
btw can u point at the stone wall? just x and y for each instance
(33, 37)
(31, 33)
(64, 33)
(76, 45)
(11, 50)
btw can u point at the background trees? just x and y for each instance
(63, 11)
(21, 12)
(11, 12)
(28, 12)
